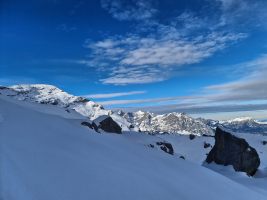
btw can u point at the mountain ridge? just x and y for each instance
(143, 121)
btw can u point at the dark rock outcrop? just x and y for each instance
(182, 157)
(3, 88)
(206, 145)
(165, 146)
(264, 142)
(191, 136)
(107, 124)
(81, 100)
(131, 126)
(231, 150)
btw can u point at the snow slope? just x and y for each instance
(194, 151)
(48, 94)
(51, 156)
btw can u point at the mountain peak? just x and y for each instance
(44, 94)
(49, 94)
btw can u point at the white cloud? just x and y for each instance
(135, 101)
(129, 10)
(133, 59)
(171, 50)
(124, 75)
(154, 50)
(252, 86)
(243, 12)
(112, 95)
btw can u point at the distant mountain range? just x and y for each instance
(240, 125)
(171, 123)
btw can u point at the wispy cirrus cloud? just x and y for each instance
(135, 59)
(199, 108)
(129, 10)
(138, 101)
(154, 50)
(112, 95)
(252, 86)
(246, 12)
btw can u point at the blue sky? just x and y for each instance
(197, 56)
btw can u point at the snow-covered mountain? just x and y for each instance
(48, 94)
(240, 125)
(168, 123)
(172, 123)
(45, 153)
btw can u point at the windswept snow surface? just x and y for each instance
(44, 156)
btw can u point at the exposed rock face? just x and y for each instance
(182, 157)
(191, 136)
(171, 123)
(165, 146)
(231, 150)
(206, 145)
(107, 124)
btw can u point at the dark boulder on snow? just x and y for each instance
(131, 126)
(182, 157)
(231, 150)
(165, 146)
(191, 136)
(207, 145)
(107, 124)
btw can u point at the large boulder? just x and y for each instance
(165, 146)
(231, 150)
(107, 124)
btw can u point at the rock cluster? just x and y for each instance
(165, 146)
